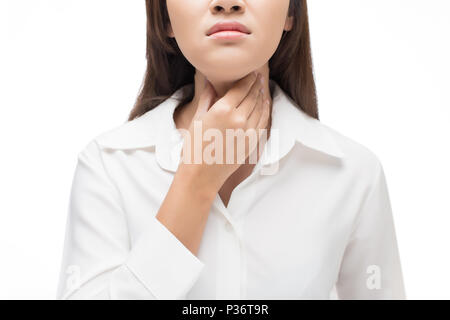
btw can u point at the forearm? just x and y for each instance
(186, 207)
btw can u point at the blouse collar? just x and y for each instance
(156, 128)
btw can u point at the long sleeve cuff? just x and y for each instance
(163, 264)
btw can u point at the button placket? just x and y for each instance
(229, 264)
(243, 262)
(236, 230)
(232, 261)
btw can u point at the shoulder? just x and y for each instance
(358, 159)
(137, 133)
(144, 130)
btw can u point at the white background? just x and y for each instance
(70, 70)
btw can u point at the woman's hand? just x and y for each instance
(242, 109)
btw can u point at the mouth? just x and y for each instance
(228, 29)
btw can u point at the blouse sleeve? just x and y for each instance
(371, 267)
(98, 260)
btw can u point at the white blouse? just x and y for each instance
(312, 220)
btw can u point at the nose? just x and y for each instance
(227, 6)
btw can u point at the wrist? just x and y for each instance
(195, 179)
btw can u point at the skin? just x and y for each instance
(226, 96)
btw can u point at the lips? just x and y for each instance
(228, 26)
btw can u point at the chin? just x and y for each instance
(225, 75)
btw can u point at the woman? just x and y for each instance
(305, 215)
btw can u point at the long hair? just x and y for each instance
(168, 70)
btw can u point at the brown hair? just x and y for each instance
(168, 70)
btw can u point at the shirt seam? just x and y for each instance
(357, 219)
(365, 202)
(114, 185)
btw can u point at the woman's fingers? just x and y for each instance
(254, 116)
(265, 116)
(250, 102)
(238, 92)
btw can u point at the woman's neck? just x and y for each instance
(184, 114)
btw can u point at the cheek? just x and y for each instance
(269, 33)
(184, 19)
(271, 18)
